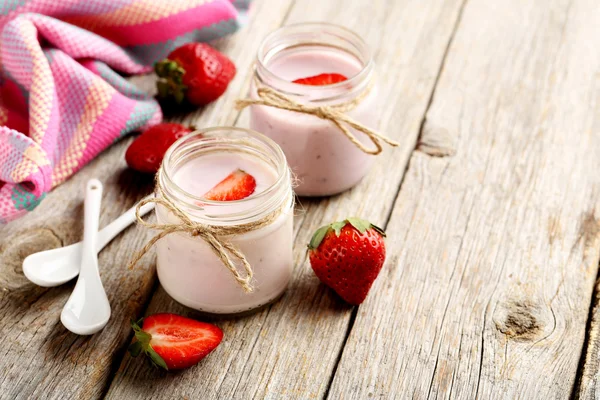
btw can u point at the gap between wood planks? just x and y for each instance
(590, 345)
(392, 194)
(122, 352)
(520, 323)
(420, 145)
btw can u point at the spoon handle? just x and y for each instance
(111, 230)
(87, 310)
(93, 199)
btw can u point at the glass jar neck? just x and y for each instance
(231, 140)
(315, 35)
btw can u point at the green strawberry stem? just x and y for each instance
(170, 82)
(142, 344)
(359, 224)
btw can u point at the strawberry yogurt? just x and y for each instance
(323, 160)
(188, 269)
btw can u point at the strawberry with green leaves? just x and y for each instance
(195, 72)
(347, 256)
(172, 341)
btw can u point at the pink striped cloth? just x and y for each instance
(62, 97)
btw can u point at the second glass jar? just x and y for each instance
(322, 158)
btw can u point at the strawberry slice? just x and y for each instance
(321, 79)
(238, 185)
(174, 342)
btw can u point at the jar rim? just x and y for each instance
(198, 138)
(359, 80)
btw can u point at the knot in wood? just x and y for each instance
(437, 141)
(14, 250)
(520, 320)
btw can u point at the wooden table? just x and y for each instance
(491, 205)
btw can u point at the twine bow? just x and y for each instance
(211, 234)
(334, 113)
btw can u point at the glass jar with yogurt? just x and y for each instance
(188, 268)
(323, 159)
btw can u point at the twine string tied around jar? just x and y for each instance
(334, 113)
(212, 235)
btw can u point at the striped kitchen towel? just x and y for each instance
(62, 96)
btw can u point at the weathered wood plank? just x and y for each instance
(493, 250)
(290, 349)
(588, 386)
(40, 358)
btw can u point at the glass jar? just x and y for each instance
(188, 269)
(323, 159)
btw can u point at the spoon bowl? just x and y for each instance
(53, 267)
(87, 311)
(81, 314)
(57, 266)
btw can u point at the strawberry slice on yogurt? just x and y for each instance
(321, 79)
(236, 186)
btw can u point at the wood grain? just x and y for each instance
(40, 358)
(290, 350)
(493, 236)
(588, 385)
(493, 250)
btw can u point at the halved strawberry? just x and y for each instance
(238, 185)
(321, 79)
(174, 342)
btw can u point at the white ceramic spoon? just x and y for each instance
(87, 311)
(57, 266)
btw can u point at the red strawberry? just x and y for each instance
(347, 256)
(322, 79)
(196, 72)
(238, 185)
(174, 342)
(147, 151)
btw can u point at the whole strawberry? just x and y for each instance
(196, 72)
(146, 152)
(172, 341)
(347, 256)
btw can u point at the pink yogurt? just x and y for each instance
(188, 269)
(323, 160)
